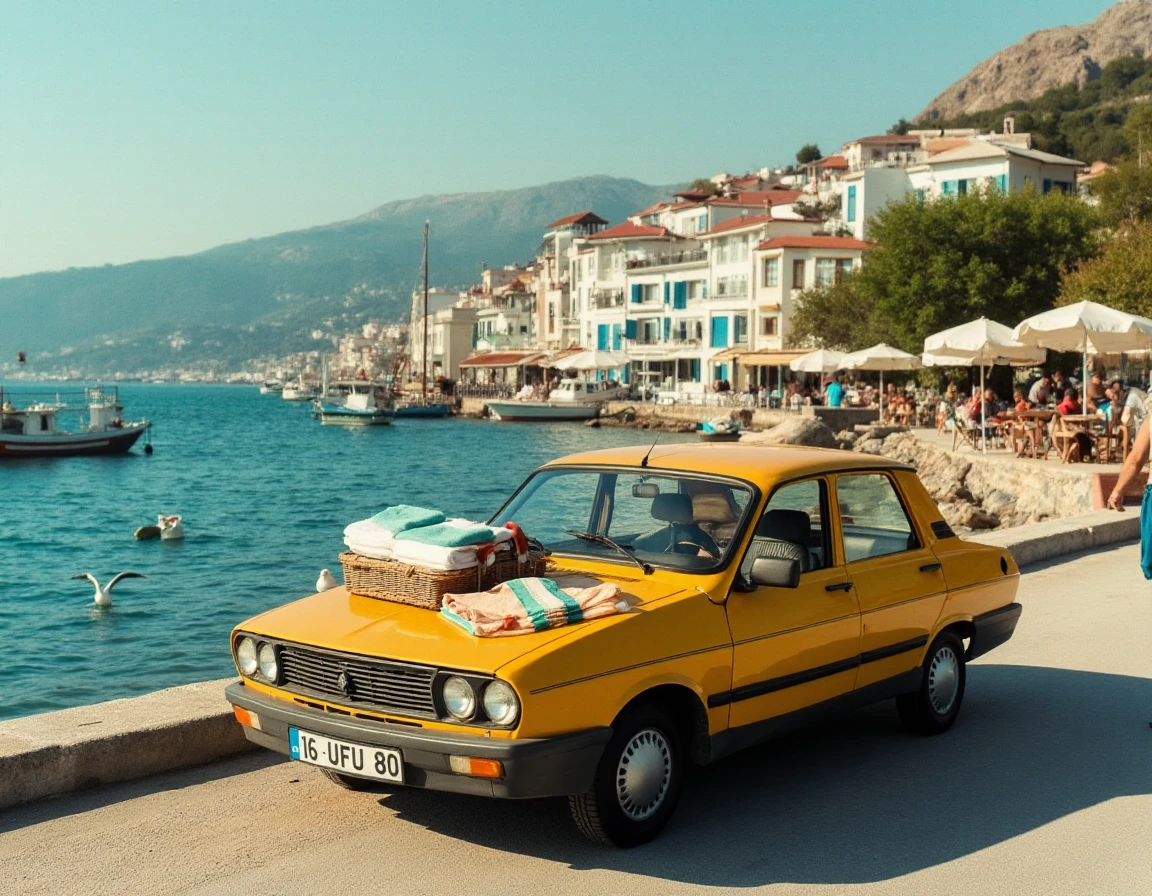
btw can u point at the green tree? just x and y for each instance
(901, 127)
(1120, 276)
(939, 263)
(809, 152)
(704, 185)
(1125, 193)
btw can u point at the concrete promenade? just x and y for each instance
(1043, 787)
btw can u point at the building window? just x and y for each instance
(843, 266)
(651, 293)
(740, 329)
(702, 223)
(769, 326)
(732, 287)
(851, 215)
(798, 274)
(825, 271)
(771, 272)
(697, 289)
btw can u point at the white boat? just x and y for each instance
(29, 429)
(271, 387)
(361, 406)
(573, 399)
(298, 391)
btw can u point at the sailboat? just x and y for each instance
(422, 407)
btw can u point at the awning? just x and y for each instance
(769, 358)
(504, 359)
(769, 307)
(729, 354)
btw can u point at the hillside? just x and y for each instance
(269, 296)
(1082, 121)
(1044, 60)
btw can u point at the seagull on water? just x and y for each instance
(327, 581)
(103, 596)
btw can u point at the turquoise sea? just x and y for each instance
(265, 493)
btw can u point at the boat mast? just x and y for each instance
(424, 370)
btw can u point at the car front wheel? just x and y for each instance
(637, 781)
(933, 707)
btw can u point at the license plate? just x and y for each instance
(381, 763)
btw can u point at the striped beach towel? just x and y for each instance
(523, 606)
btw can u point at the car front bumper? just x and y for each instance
(538, 767)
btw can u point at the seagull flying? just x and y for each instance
(326, 582)
(103, 596)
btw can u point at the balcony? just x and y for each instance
(607, 298)
(667, 259)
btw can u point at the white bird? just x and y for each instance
(103, 596)
(326, 582)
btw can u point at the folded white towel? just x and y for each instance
(433, 556)
(376, 552)
(367, 532)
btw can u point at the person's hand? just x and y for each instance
(1116, 501)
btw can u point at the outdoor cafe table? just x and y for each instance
(1040, 417)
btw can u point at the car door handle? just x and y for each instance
(839, 586)
(930, 567)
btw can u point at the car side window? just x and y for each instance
(873, 520)
(793, 527)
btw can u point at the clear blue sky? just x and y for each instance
(148, 129)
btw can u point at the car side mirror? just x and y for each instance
(775, 572)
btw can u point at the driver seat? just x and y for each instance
(783, 534)
(675, 509)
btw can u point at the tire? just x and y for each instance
(625, 809)
(933, 707)
(350, 782)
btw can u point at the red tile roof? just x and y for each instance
(578, 218)
(834, 162)
(749, 198)
(628, 230)
(652, 209)
(886, 138)
(737, 223)
(813, 242)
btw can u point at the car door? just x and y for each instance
(897, 580)
(793, 647)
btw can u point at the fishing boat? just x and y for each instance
(416, 407)
(271, 387)
(298, 391)
(30, 424)
(362, 405)
(573, 399)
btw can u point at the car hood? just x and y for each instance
(338, 620)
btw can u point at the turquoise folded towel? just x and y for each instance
(446, 536)
(403, 517)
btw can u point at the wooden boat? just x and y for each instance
(31, 429)
(572, 400)
(719, 429)
(362, 406)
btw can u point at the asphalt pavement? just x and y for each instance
(1044, 786)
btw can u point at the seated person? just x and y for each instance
(1020, 402)
(1070, 403)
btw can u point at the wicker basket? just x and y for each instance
(417, 586)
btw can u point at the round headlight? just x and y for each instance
(500, 703)
(246, 656)
(459, 698)
(269, 667)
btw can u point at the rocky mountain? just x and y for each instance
(1048, 59)
(289, 292)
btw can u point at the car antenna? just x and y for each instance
(644, 462)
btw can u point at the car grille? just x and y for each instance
(381, 685)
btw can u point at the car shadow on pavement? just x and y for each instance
(859, 800)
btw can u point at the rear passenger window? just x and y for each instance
(792, 527)
(872, 517)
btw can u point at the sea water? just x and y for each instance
(265, 492)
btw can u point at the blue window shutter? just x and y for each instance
(636, 293)
(695, 370)
(851, 204)
(1002, 183)
(719, 332)
(602, 337)
(949, 187)
(667, 292)
(667, 327)
(1047, 185)
(629, 329)
(723, 371)
(616, 328)
(680, 295)
(703, 289)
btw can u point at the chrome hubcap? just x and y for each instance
(943, 680)
(643, 774)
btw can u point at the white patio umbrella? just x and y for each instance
(1088, 328)
(982, 342)
(880, 357)
(592, 359)
(823, 360)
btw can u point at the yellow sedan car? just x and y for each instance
(764, 586)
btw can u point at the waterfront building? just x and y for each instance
(557, 322)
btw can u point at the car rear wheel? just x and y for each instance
(933, 707)
(349, 782)
(637, 781)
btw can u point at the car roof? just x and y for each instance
(759, 464)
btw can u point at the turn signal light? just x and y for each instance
(244, 717)
(477, 768)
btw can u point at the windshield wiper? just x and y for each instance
(625, 549)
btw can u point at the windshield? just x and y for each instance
(678, 521)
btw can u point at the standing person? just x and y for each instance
(1136, 461)
(834, 394)
(1059, 382)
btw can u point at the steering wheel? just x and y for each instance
(704, 544)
